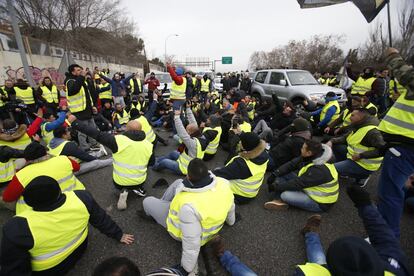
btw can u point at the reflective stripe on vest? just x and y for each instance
(51, 96)
(47, 136)
(184, 158)
(205, 85)
(325, 109)
(212, 216)
(399, 120)
(59, 168)
(26, 95)
(314, 269)
(19, 144)
(7, 171)
(178, 91)
(147, 128)
(77, 102)
(131, 161)
(325, 192)
(362, 86)
(396, 87)
(107, 94)
(250, 186)
(57, 150)
(124, 119)
(371, 105)
(132, 84)
(355, 147)
(213, 145)
(57, 234)
(346, 117)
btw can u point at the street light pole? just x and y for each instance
(165, 47)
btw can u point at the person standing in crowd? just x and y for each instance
(153, 84)
(206, 86)
(118, 88)
(362, 84)
(178, 87)
(185, 210)
(246, 83)
(51, 236)
(49, 95)
(397, 128)
(132, 154)
(380, 91)
(396, 89)
(105, 92)
(189, 91)
(80, 103)
(26, 94)
(134, 87)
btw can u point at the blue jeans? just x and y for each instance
(314, 250)
(234, 266)
(168, 162)
(300, 200)
(177, 104)
(391, 188)
(351, 168)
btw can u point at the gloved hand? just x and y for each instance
(359, 196)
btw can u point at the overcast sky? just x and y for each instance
(237, 28)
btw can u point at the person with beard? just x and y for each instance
(363, 83)
(26, 94)
(49, 95)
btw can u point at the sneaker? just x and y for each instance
(95, 148)
(312, 224)
(140, 191)
(276, 204)
(122, 201)
(217, 244)
(103, 150)
(267, 146)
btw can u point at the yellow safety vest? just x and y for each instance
(325, 192)
(250, 186)
(131, 161)
(346, 117)
(26, 95)
(362, 86)
(178, 91)
(212, 207)
(396, 87)
(58, 151)
(2, 88)
(313, 269)
(184, 159)
(51, 96)
(354, 146)
(246, 127)
(371, 105)
(58, 168)
(132, 84)
(194, 81)
(77, 102)
(19, 144)
(147, 128)
(106, 95)
(47, 136)
(205, 85)
(7, 171)
(325, 109)
(57, 234)
(213, 145)
(124, 119)
(399, 120)
(252, 111)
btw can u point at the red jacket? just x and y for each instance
(177, 79)
(152, 83)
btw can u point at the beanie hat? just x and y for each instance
(330, 94)
(301, 124)
(42, 191)
(249, 140)
(34, 151)
(179, 71)
(353, 256)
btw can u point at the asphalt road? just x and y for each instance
(268, 242)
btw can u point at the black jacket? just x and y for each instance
(246, 84)
(17, 238)
(287, 150)
(74, 84)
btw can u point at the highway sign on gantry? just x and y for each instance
(227, 60)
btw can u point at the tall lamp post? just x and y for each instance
(165, 47)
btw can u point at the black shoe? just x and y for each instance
(160, 182)
(140, 191)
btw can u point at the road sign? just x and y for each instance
(227, 60)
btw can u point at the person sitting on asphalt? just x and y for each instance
(193, 145)
(212, 129)
(120, 118)
(51, 123)
(238, 125)
(50, 237)
(7, 166)
(187, 212)
(40, 163)
(132, 153)
(290, 147)
(245, 172)
(353, 255)
(328, 113)
(314, 188)
(61, 145)
(359, 153)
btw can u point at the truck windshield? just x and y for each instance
(301, 78)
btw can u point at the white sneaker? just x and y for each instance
(367, 240)
(267, 146)
(122, 201)
(103, 150)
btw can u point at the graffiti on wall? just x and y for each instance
(37, 74)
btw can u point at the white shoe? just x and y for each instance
(267, 146)
(367, 240)
(103, 150)
(122, 201)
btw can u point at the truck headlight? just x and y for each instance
(316, 97)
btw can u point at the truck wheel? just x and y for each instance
(298, 104)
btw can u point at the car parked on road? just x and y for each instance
(165, 79)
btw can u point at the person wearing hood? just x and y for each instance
(80, 102)
(26, 94)
(193, 145)
(362, 84)
(359, 152)
(212, 131)
(314, 188)
(178, 87)
(351, 255)
(132, 153)
(38, 163)
(185, 210)
(246, 170)
(49, 95)
(328, 113)
(52, 234)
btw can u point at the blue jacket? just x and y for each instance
(50, 126)
(117, 86)
(329, 113)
